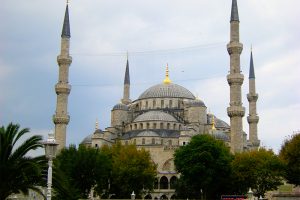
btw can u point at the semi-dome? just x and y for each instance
(155, 116)
(120, 106)
(169, 90)
(218, 122)
(87, 140)
(195, 103)
(220, 135)
(147, 133)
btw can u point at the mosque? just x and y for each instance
(165, 116)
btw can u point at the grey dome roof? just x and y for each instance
(87, 140)
(166, 91)
(218, 122)
(147, 133)
(195, 103)
(155, 116)
(120, 106)
(219, 135)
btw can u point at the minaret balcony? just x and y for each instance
(235, 79)
(61, 119)
(62, 88)
(236, 111)
(252, 119)
(64, 60)
(252, 97)
(234, 47)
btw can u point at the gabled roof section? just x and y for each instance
(234, 11)
(251, 71)
(66, 27)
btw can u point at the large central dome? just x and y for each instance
(169, 90)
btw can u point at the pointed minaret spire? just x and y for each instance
(234, 11)
(251, 70)
(252, 97)
(167, 79)
(235, 79)
(66, 27)
(63, 88)
(126, 93)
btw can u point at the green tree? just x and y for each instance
(18, 171)
(77, 171)
(290, 154)
(260, 170)
(132, 170)
(205, 167)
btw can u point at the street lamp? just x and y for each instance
(50, 152)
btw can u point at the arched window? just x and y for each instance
(148, 125)
(146, 104)
(162, 141)
(154, 125)
(170, 103)
(173, 182)
(164, 183)
(135, 126)
(153, 140)
(170, 142)
(168, 125)
(141, 125)
(143, 141)
(162, 103)
(174, 126)
(154, 104)
(96, 145)
(161, 126)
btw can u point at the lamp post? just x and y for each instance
(50, 152)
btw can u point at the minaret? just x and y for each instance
(126, 93)
(235, 80)
(252, 97)
(62, 88)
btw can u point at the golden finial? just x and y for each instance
(213, 123)
(97, 124)
(167, 80)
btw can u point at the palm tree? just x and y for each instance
(19, 172)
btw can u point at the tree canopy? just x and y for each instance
(132, 170)
(260, 170)
(290, 154)
(77, 171)
(18, 171)
(204, 165)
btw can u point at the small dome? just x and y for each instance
(219, 135)
(155, 116)
(169, 90)
(218, 122)
(120, 106)
(98, 131)
(195, 103)
(87, 140)
(147, 134)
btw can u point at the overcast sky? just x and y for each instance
(190, 36)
